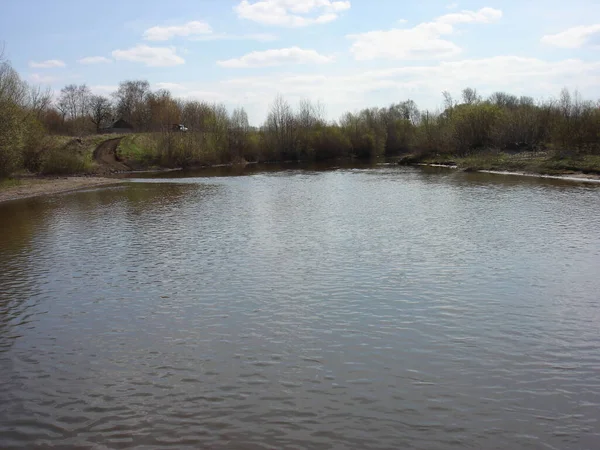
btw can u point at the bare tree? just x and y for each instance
(39, 101)
(239, 129)
(73, 101)
(309, 114)
(504, 100)
(131, 102)
(410, 111)
(281, 127)
(196, 115)
(448, 101)
(164, 110)
(220, 125)
(100, 111)
(12, 88)
(470, 96)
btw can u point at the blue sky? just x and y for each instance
(347, 54)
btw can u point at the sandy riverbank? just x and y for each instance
(35, 187)
(586, 177)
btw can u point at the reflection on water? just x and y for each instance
(372, 307)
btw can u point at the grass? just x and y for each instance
(138, 149)
(546, 163)
(66, 155)
(88, 143)
(589, 164)
(8, 183)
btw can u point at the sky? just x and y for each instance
(346, 54)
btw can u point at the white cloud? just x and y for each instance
(349, 91)
(103, 89)
(207, 96)
(291, 13)
(169, 86)
(201, 31)
(49, 64)
(94, 60)
(42, 79)
(260, 37)
(150, 56)
(575, 37)
(484, 15)
(276, 57)
(193, 28)
(423, 41)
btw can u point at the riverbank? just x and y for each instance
(27, 187)
(542, 164)
(585, 168)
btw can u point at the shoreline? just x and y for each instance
(29, 187)
(36, 186)
(575, 176)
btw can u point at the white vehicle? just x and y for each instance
(179, 127)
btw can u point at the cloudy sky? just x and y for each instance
(347, 54)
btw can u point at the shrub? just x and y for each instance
(11, 138)
(329, 142)
(472, 126)
(65, 160)
(35, 142)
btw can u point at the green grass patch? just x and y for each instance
(542, 163)
(494, 161)
(589, 164)
(65, 155)
(75, 156)
(138, 149)
(8, 183)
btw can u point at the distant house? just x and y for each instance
(119, 127)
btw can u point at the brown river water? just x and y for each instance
(367, 308)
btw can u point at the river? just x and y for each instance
(357, 308)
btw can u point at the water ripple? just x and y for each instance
(369, 308)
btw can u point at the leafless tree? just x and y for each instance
(310, 114)
(100, 111)
(39, 101)
(73, 101)
(470, 96)
(281, 127)
(131, 102)
(12, 88)
(239, 129)
(448, 101)
(504, 100)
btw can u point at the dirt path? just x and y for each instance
(106, 157)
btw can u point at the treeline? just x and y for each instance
(22, 108)
(29, 117)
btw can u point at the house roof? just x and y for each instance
(122, 124)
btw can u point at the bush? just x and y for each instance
(252, 151)
(472, 126)
(11, 138)
(329, 142)
(65, 160)
(35, 142)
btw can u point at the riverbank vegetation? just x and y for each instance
(42, 132)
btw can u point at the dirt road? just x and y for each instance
(106, 157)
